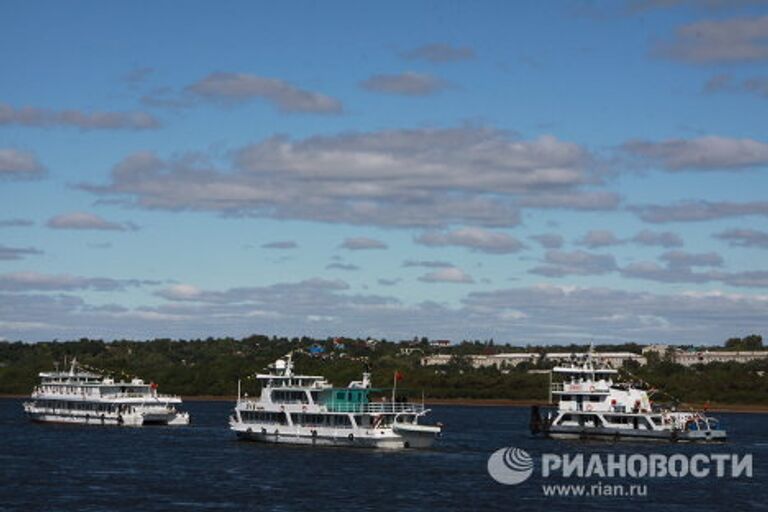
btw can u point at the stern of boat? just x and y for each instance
(417, 436)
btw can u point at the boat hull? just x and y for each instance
(617, 434)
(124, 420)
(338, 439)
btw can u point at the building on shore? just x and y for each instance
(512, 359)
(692, 357)
(610, 359)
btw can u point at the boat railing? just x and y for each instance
(148, 396)
(93, 393)
(580, 387)
(375, 407)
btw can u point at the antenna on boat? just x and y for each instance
(238, 390)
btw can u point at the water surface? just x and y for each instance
(203, 466)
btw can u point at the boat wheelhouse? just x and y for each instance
(80, 396)
(592, 404)
(307, 409)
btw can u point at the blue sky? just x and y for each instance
(554, 173)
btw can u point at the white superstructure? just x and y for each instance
(591, 404)
(79, 396)
(307, 409)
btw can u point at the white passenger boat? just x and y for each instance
(307, 409)
(79, 396)
(591, 405)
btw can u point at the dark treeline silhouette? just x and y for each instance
(213, 366)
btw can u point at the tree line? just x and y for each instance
(213, 366)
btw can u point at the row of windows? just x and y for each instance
(593, 420)
(292, 397)
(280, 418)
(582, 398)
(79, 406)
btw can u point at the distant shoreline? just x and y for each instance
(486, 402)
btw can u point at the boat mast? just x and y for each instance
(550, 387)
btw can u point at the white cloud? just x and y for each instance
(342, 266)
(711, 153)
(26, 281)
(85, 220)
(537, 314)
(17, 253)
(698, 211)
(477, 239)
(280, 244)
(406, 84)
(744, 237)
(440, 53)
(660, 239)
(687, 259)
(239, 87)
(43, 117)
(16, 164)
(362, 243)
(426, 263)
(447, 275)
(16, 223)
(548, 240)
(403, 178)
(181, 292)
(599, 238)
(562, 263)
(719, 41)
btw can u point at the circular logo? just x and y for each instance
(510, 466)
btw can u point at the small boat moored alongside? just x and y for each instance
(307, 409)
(592, 406)
(85, 397)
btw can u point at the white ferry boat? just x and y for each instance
(592, 406)
(79, 396)
(307, 409)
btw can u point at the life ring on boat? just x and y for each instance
(591, 389)
(589, 407)
(351, 437)
(263, 431)
(303, 408)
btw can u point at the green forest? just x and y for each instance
(212, 367)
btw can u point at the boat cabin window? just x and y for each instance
(289, 397)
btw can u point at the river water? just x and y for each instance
(203, 467)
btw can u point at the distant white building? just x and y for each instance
(436, 360)
(504, 360)
(692, 357)
(512, 359)
(612, 359)
(705, 357)
(656, 349)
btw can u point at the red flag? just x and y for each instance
(398, 376)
